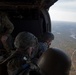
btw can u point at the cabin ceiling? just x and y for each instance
(16, 4)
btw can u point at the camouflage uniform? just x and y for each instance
(24, 41)
(6, 28)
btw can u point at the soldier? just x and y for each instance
(47, 38)
(44, 43)
(25, 44)
(54, 62)
(6, 28)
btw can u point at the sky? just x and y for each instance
(63, 10)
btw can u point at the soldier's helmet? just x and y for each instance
(47, 36)
(25, 40)
(54, 62)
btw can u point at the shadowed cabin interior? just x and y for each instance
(27, 15)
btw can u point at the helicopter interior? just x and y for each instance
(27, 15)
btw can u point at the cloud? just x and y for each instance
(62, 16)
(66, 5)
(66, 0)
(63, 10)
